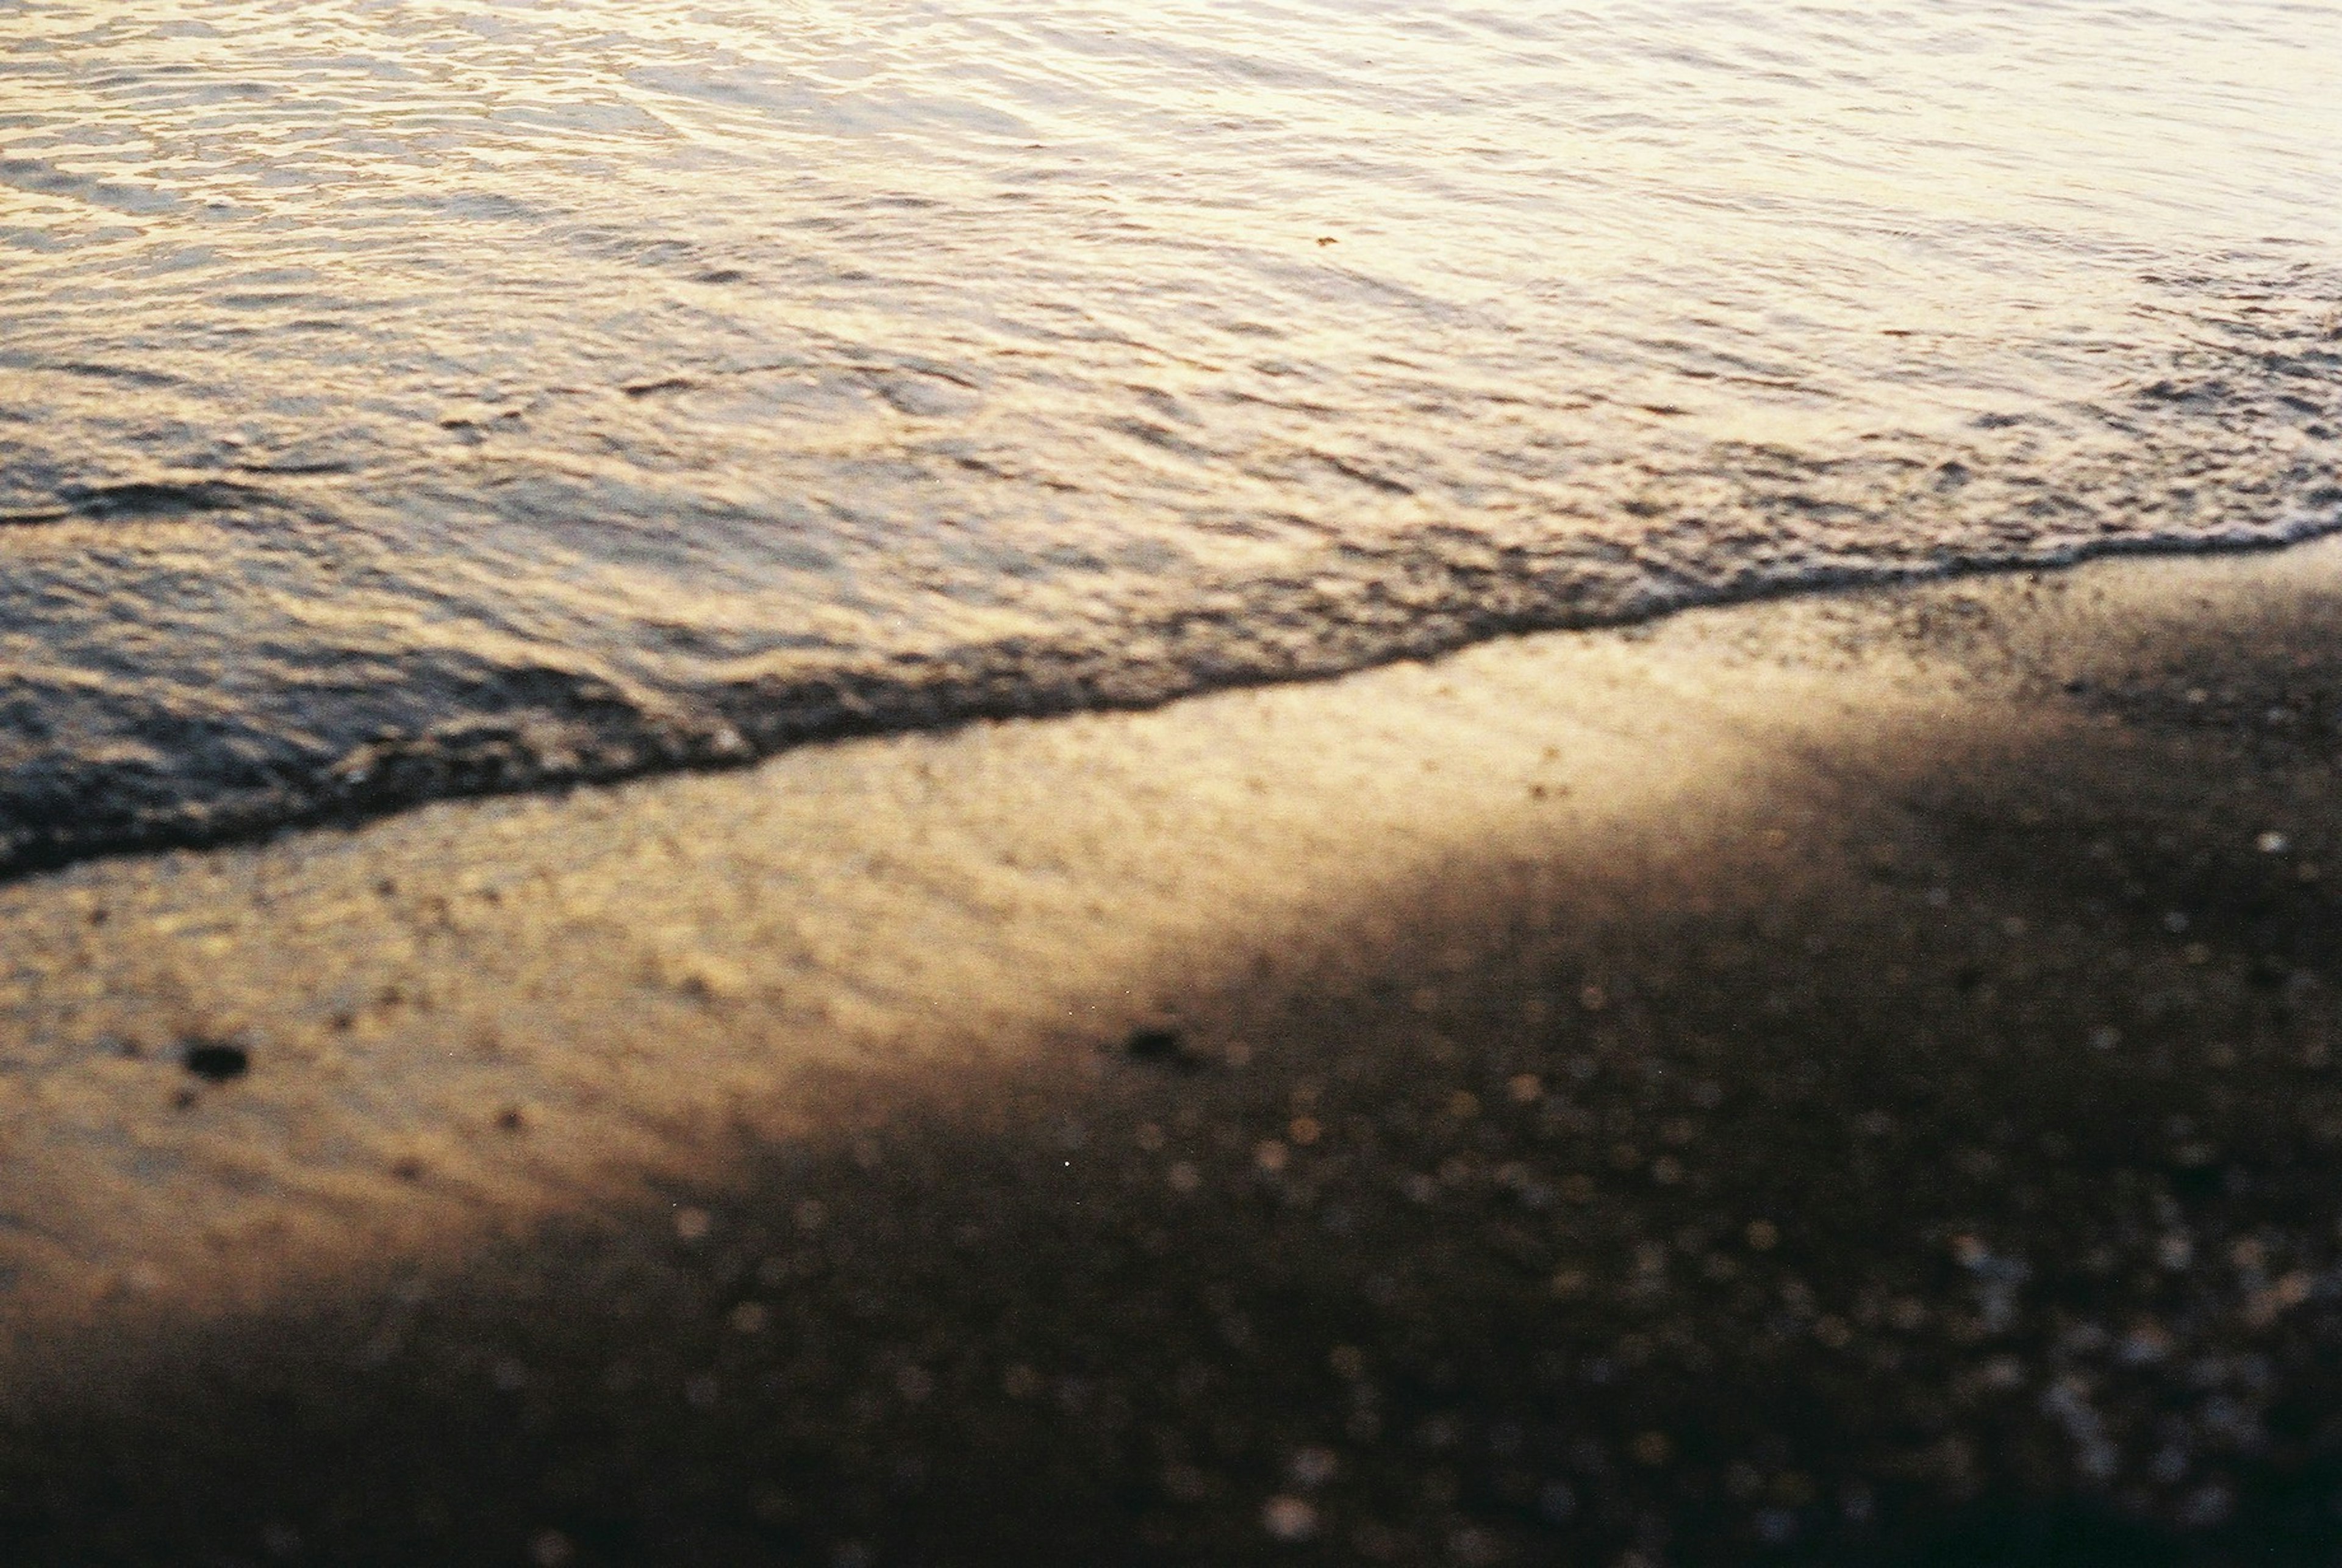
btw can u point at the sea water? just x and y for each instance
(404, 397)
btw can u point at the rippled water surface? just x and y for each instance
(408, 396)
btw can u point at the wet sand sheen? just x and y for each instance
(1848, 1076)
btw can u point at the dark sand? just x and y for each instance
(1847, 1080)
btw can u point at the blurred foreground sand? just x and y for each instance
(1843, 1078)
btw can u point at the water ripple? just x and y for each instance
(400, 400)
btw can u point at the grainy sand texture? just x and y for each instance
(1846, 1079)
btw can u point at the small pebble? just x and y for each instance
(1288, 1518)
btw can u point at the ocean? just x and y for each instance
(404, 398)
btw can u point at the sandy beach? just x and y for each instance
(1106, 784)
(1842, 1079)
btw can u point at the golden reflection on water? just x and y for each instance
(675, 353)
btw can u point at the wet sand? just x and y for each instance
(1847, 1079)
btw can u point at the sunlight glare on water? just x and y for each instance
(399, 399)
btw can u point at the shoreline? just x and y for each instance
(1841, 1076)
(1415, 603)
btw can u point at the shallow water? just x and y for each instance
(407, 398)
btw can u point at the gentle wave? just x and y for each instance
(405, 400)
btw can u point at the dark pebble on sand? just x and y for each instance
(215, 1061)
(1163, 1047)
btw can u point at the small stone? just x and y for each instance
(1288, 1519)
(1160, 1047)
(215, 1061)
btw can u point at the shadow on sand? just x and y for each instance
(1936, 1163)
